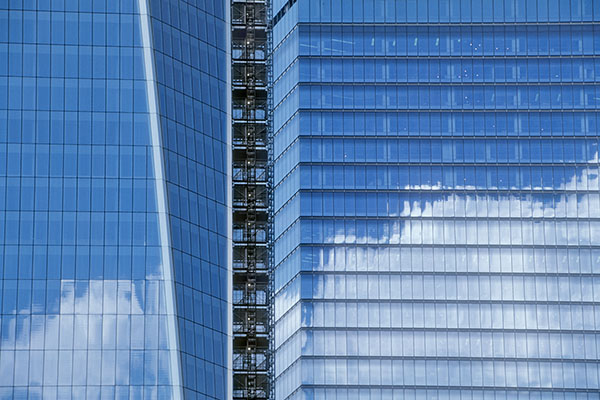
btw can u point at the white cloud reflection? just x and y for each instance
(96, 332)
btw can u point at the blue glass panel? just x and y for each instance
(435, 207)
(83, 304)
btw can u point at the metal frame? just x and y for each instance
(271, 192)
(250, 200)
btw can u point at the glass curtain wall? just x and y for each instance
(113, 242)
(437, 204)
(190, 43)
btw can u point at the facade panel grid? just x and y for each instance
(83, 290)
(436, 200)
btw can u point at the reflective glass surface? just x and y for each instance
(86, 267)
(191, 74)
(437, 231)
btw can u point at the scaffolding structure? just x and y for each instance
(249, 45)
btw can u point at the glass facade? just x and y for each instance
(436, 199)
(113, 250)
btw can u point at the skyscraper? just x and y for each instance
(434, 219)
(436, 199)
(113, 199)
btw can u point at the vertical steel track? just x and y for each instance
(271, 199)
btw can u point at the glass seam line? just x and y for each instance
(161, 193)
